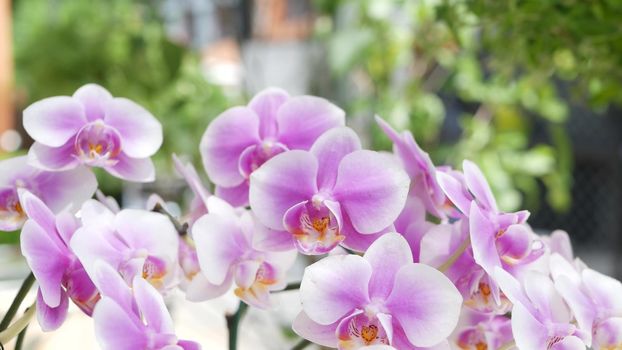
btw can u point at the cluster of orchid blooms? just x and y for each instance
(408, 255)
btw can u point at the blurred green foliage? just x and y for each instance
(510, 64)
(121, 45)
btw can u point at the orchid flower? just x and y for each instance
(198, 207)
(445, 242)
(95, 129)
(132, 318)
(420, 169)
(335, 193)
(497, 239)
(481, 331)
(135, 242)
(224, 243)
(45, 244)
(350, 301)
(241, 139)
(65, 190)
(593, 298)
(540, 317)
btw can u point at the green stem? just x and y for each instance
(19, 298)
(290, 286)
(20, 339)
(182, 229)
(452, 259)
(301, 344)
(18, 326)
(233, 324)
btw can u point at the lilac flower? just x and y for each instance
(241, 139)
(132, 318)
(60, 191)
(332, 193)
(224, 240)
(420, 169)
(44, 243)
(351, 301)
(594, 300)
(93, 128)
(135, 242)
(540, 317)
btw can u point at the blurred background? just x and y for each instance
(530, 90)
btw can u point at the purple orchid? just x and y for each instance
(65, 190)
(334, 193)
(198, 207)
(594, 300)
(420, 169)
(481, 331)
(45, 244)
(132, 318)
(226, 254)
(135, 242)
(95, 129)
(446, 241)
(241, 139)
(540, 317)
(497, 239)
(383, 297)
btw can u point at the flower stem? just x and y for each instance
(452, 259)
(20, 339)
(21, 294)
(182, 229)
(233, 324)
(18, 326)
(301, 344)
(290, 286)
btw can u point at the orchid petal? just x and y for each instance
(94, 99)
(266, 104)
(477, 184)
(334, 286)
(141, 132)
(54, 120)
(386, 256)
(319, 334)
(133, 169)
(329, 149)
(115, 329)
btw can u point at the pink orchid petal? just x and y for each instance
(246, 272)
(216, 259)
(283, 181)
(66, 190)
(605, 291)
(608, 334)
(54, 120)
(111, 285)
(94, 242)
(569, 343)
(560, 243)
(303, 119)
(141, 132)
(425, 303)
(116, 330)
(66, 226)
(455, 191)
(188, 345)
(334, 286)
(39, 213)
(477, 184)
(152, 307)
(51, 318)
(386, 256)
(190, 175)
(483, 232)
(319, 334)
(94, 99)
(269, 240)
(528, 332)
(581, 305)
(223, 142)
(329, 149)
(266, 104)
(53, 158)
(237, 196)
(386, 321)
(133, 169)
(515, 242)
(47, 260)
(371, 189)
(200, 289)
(544, 297)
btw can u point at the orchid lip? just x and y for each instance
(98, 144)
